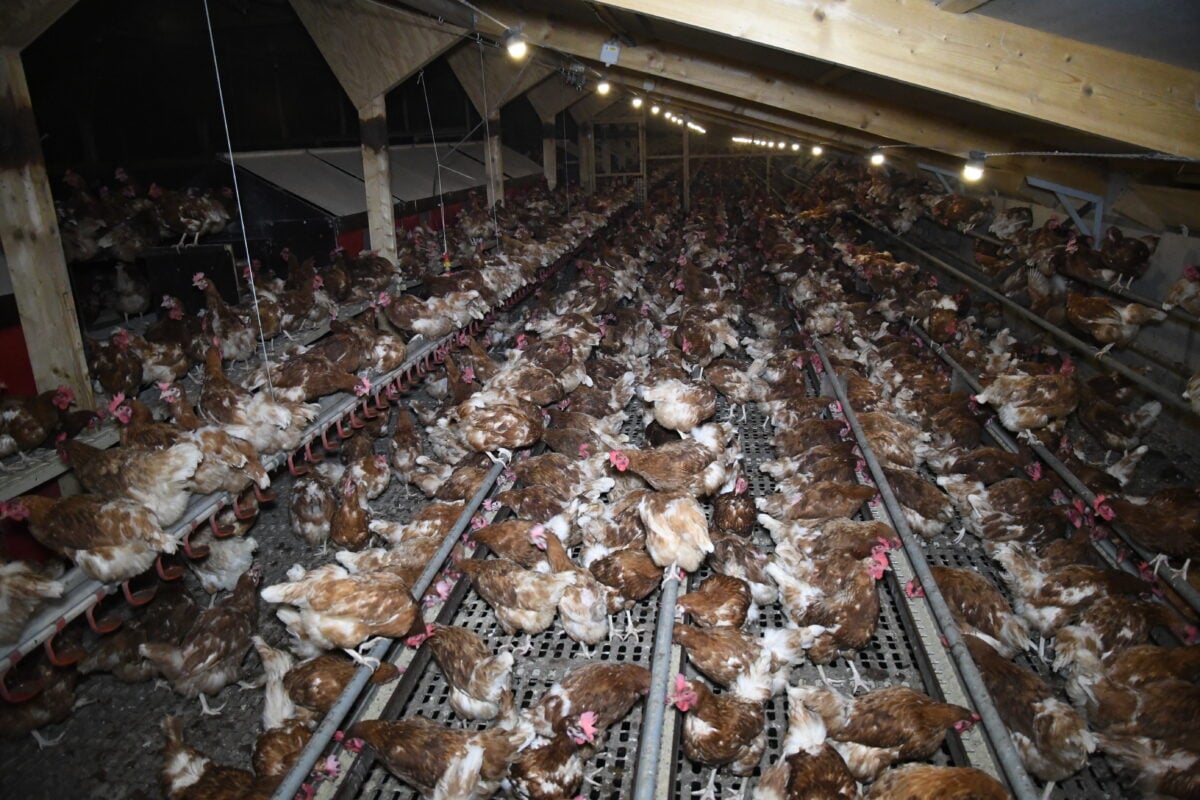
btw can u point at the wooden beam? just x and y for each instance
(881, 118)
(959, 6)
(22, 21)
(687, 171)
(988, 61)
(493, 163)
(478, 66)
(587, 158)
(32, 245)
(590, 106)
(551, 96)
(377, 178)
(549, 155)
(372, 48)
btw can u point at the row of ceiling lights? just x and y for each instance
(771, 144)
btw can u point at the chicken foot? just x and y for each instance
(43, 742)
(356, 655)
(631, 631)
(1162, 559)
(709, 792)
(207, 710)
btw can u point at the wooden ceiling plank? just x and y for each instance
(551, 96)
(505, 79)
(590, 106)
(960, 6)
(23, 21)
(371, 48)
(985, 60)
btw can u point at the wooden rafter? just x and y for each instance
(988, 61)
(590, 106)
(372, 48)
(551, 96)
(22, 21)
(959, 6)
(504, 78)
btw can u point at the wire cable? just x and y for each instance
(438, 161)
(489, 158)
(237, 196)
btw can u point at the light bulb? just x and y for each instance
(973, 169)
(817, 149)
(603, 87)
(515, 44)
(877, 157)
(637, 102)
(795, 145)
(655, 109)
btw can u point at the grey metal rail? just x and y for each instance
(323, 735)
(1181, 587)
(650, 739)
(1085, 349)
(998, 734)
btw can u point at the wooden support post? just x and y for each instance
(377, 177)
(642, 158)
(587, 158)
(29, 234)
(549, 154)
(493, 162)
(687, 173)
(768, 173)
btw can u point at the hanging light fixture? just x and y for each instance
(877, 158)
(655, 109)
(817, 150)
(973, 169)
(515, 44)
(603, 87)
(636, 102)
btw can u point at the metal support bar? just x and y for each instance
(1075, 343)
(943, 175)
(1066, 194)
(321, 737)
(650, 739)
(1006, 753)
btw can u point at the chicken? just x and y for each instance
(511, 540)
(725, 729)
(1050, 599)
(1126, 257)
(927, 782)
(53, 704)
(27, 422)
(1185, 292)
(156, 479)
(432, 520)
(676, 530)
(819, 501)
(227, 559)
(722, 654)
(233, 328)
(926, 508)
(308, 376)
(189, 213)
(493, 423)
(979, 609)
(350, 525)
(609, 691)
(328, 607)
(877, 729)
(110, 540)
(719, 601)
(1115, 428)
(479, 681)
(523, 600)
(1168, 523)
(553, 770)
(738, 558)
(23, 587)
(285, 726)
(317, 683)
(1031, 401)
(229, 464)
(405, 444)
(734, 512)
(808, 767)
(165, 620)
(442, 762)
(311, 507)
(187, 774)
(836, 592)
(695, 464)
(681, 405)
(1050, 736)
(114, 365)
(211, 654)
(269, 426)
(1111, 323)
(585, 606)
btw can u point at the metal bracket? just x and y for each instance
(941, 173)
(1065, 195)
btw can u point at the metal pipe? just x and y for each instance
(650, 738)
(1001, 741)
(1181, 587)
(1085, 349)
(321, 737)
